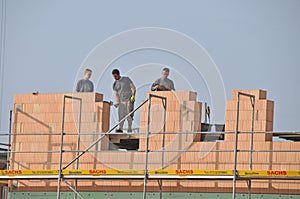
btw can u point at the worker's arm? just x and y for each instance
(153, 88)
(155, 85)
(78, 86)
(172, 86)
(92, 87)
(117, 96)
(133, 89)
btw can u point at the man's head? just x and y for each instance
(116, 74)
(87, 73)
(165, 73)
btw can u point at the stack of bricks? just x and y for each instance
(37, 125)
(263, 115)
(183, 114)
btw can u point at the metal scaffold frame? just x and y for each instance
(60, 177)
(164, 102)
(62, 174)
(79, 154)
(252, 99)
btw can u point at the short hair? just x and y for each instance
(87, 70)
(166, 70)
(115, 72)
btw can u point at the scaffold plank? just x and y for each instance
(155, 174)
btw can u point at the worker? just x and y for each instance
(163, 83)
(85, 84)
(124, 91)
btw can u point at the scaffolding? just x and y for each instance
(62, 173)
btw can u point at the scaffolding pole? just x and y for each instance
(60, 176)
(73, 189)
(147, 150)
(160, 182)
(235, 175)
(9, 139)
(164, 102)
(78, 143)
(252, 98)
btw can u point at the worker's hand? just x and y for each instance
(155, 87)
(116, 105)
(132, 99)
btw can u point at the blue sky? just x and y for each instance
(255, 44)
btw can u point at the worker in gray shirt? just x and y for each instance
(124, 91)
(163, 83)
(85, 85)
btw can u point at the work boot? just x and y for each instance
(119, 131)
